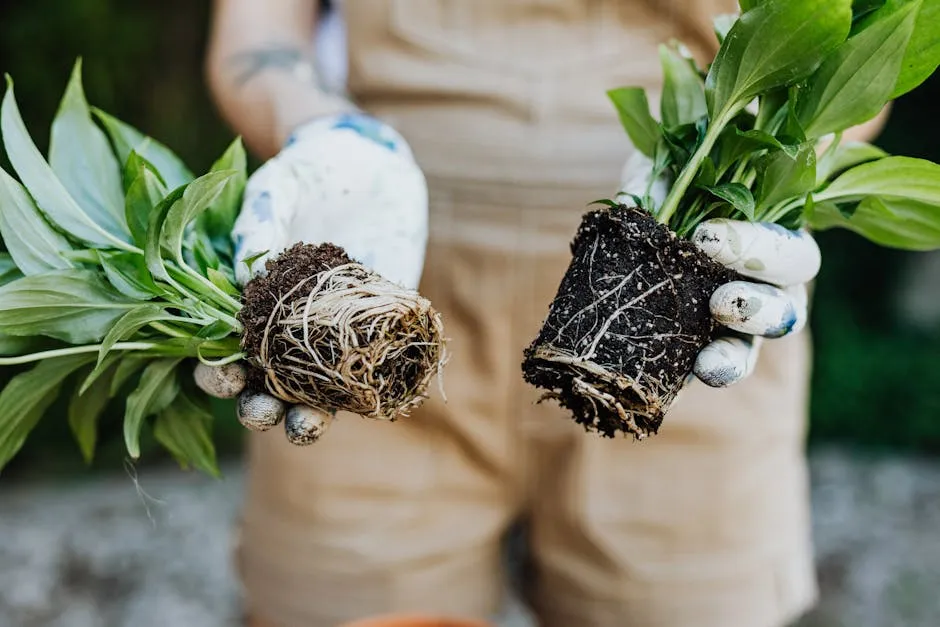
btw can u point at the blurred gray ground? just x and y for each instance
(108, 553)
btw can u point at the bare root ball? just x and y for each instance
(327, 332)
(628, 321)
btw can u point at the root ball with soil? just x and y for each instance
(327, 332)
(629, 319)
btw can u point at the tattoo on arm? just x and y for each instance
(291, 59)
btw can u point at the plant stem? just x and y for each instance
(74, 350)
(671, 205)
(221, 297)
(217, 349)
(221, 362)
(196, 285)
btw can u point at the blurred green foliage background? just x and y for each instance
(875, 383)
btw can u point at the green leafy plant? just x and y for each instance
(756, 136)
(743, 138)
(119, 276)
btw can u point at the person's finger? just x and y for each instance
(727, 360)
(259, 411)
(304, 425)
(262, 229)
(759, 309)
(221, 381)
(759, 250)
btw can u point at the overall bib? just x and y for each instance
(704, 525)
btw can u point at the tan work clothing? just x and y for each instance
(704, 525)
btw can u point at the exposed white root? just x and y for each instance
(356, 342)
(602, 388)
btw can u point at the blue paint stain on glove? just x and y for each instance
(239, 245)
(369, 128)
(261, 207)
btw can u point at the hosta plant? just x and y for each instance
(755, 136)
(118, 277)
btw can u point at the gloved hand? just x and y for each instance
(780, 261)
(350, 180)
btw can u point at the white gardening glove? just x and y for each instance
(780, 261)
(349, 180)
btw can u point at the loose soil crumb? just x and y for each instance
(629, 319)
(325, 331)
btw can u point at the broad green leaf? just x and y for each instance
(99, 369)
(199, 251)
(152, 253)
(785, 177)
(683, 97)
(26, 398)
(184, 428)
(129, 365)
(77, 306)
(219, 219)
(755, 138)
(773, 105)
(634, 111)
(128, 273)
(129, 324)
(735, 144)
(144, 193)
(81, 157)
(132, 167)
(157, 388)
(891, 177)
(222, 282)
(773, 44)
(738, 196)
(85, 407)
(199, 196)
(681, 142)
(11, 345)
(8, 269)
(845, 156)
(707, 174)
(893, 222)
(923, 52)
(42, 183)
(747, 5)
(35, 245)
(220, 330)
(82, 255)
(855, 82)
(862, 8)
(126, 138)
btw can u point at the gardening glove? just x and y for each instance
(780, 262)
(350, 180)
(774, 305)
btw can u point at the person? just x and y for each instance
(490, 119)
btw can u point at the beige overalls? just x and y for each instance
(704, 525)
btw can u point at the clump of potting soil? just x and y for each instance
(628, 321)
(325, 331)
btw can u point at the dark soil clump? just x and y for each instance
(629, 319)
(284, 272)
